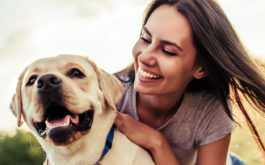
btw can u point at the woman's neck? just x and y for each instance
(156, 110)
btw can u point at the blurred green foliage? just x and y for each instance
(20, 149)
(243, 145)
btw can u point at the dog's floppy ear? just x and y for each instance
(110, 86)
(16, 103)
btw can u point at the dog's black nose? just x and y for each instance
(48, 83)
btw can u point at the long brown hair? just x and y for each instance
(219, 50)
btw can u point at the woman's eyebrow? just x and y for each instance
(147, 31)
(172, 44)
(165, 42)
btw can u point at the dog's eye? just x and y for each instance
(31, 80)
(75, 73)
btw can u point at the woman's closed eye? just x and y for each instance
(169, 52)
(146, 40)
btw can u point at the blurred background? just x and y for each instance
(105, 31)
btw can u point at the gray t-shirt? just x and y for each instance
(199, 120)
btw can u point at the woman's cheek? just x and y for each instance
(137, 49)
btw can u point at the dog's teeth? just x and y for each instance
(67, 122)
(47, 124)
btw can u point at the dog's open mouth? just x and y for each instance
(59, 121)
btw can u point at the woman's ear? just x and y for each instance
(200, 73)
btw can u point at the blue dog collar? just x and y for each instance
(108, 143)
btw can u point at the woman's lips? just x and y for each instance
(148, 75)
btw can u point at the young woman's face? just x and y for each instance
(164, 55)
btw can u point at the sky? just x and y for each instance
(103, 30)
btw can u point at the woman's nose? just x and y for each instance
(147, 57)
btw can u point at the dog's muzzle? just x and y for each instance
(59, 123)
(49, 88)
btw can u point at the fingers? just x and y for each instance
(123, 121)
(118, 120)
(138, 132)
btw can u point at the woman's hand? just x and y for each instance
(148, 138)
(138, 132)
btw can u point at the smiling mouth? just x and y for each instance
(148, 75)
(59, 119)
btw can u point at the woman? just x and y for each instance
(188, 61)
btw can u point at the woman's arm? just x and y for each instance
(148, 138)
(214, 153)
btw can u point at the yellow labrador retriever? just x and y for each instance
(68, 103)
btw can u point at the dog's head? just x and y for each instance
(59, 97)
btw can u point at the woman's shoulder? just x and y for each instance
(205, 104)
(209, 117)
(203, 97)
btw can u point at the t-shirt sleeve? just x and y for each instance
(120, 104)
(127, 103)
(214, 126)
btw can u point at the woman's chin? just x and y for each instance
(145, 90)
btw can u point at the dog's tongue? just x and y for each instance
(62, 122)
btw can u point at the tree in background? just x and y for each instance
(20, 149)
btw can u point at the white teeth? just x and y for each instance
(146, 74)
